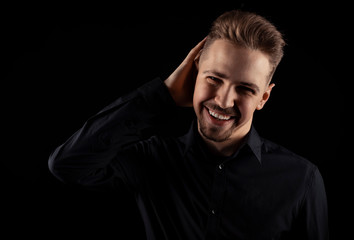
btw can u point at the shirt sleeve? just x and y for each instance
(314, 209)
(84, 158)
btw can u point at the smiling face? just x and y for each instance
(232, 83)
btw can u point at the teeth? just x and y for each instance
(219, 116)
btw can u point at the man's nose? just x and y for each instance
(226, 97)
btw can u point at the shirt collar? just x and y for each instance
(253, 140)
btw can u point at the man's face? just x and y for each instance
(232, 83)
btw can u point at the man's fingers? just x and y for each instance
(196, 50)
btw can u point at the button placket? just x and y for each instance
(217, 199)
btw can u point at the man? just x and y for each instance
(220, 180)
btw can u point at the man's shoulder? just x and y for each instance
(276, 153)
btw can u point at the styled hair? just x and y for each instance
(248, 30)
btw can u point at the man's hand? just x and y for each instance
(182, 81)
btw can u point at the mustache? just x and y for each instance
(234, 111)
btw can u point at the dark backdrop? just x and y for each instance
(64, 63)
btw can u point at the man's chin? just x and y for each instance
(212, 133)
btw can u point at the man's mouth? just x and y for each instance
(219, 116)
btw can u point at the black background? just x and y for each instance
(65, 63)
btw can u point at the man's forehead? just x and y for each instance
(231, 62)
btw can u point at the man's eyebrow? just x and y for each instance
(216, 73)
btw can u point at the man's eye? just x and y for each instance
(213, 80)
(246, 89)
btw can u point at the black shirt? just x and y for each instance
(263, 191)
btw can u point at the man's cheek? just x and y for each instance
(206, 92)
(247, 111)
(200, 93)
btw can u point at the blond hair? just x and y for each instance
(248, 30)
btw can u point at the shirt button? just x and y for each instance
(221, 166)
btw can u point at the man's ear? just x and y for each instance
(265, 96)
(197, 58)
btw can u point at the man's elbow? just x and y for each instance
(60, 170)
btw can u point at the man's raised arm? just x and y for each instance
(149, 110)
